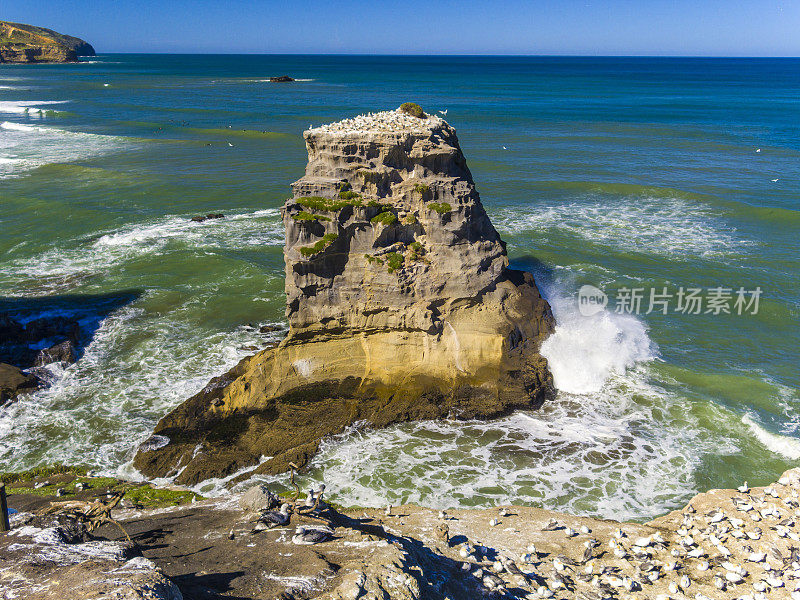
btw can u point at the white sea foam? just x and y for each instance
(585, 351)
(137, 367)
(664, 226)
(30, 107)
(605, 446)
(784, 445)
(609, 453)
(24, 147)
(114, 249)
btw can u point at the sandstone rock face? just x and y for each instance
(400, 304)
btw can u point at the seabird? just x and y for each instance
(307, 535)
(774, 180)
(444, 112)
(229, 144)
(272, 518)
(552, 525)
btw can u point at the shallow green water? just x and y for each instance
(610, 172)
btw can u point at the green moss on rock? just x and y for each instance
(394, 261)
(307, 216)
(422, 189)
(320, 245)
(440, 207)
(44, 471)
(373, 260)
(326, 204)
(349, 195)
(385, 218)
(151, 497)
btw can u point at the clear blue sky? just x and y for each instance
(592, 27)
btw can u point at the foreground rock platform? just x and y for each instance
(400, 303)
(725, 544)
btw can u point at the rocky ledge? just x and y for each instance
(725, 544)
(400, 303)
(27, 349)
(21, 43)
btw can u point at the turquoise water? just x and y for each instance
(609, 172)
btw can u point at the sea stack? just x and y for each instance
(400, 303)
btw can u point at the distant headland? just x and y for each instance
(21, 43)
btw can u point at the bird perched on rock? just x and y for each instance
(272, 518)
(308, 535)
(552, 525)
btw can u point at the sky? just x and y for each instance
(561, 27)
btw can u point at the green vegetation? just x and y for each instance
(326, 204)
(422, 189)
(440, 207)
(413, 109)
(45, 471)
(348, 195)
(394, 261)
(143, 495)
(150, 497)
(307, 216)
(381, 206)
(386, 218)
(409, 219)
(373, 260)
(320, 245)
(416, 251)
(344, 186)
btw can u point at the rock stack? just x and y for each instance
(400, 304)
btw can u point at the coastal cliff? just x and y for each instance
(20, 43)
(400, 305)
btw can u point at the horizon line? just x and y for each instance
(455, 55)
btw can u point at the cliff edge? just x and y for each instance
(21, 43)
(400, 303)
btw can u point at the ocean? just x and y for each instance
(635, 176)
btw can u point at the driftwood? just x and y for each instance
(308, 510)
(92, 513)
(294, 467)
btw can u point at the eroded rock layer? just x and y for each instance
(400, 304)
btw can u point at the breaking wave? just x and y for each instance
(112, 250)
(24, 147)
(656, 225)
(606, 446)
